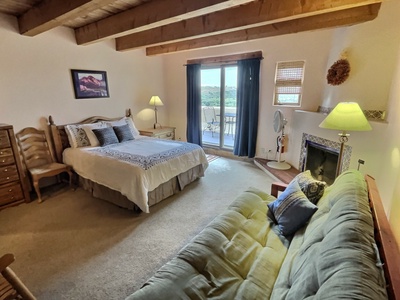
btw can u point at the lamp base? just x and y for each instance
(157, 125)
(279, 165)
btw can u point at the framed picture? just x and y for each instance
(90, 84)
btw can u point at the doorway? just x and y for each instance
(218, 105)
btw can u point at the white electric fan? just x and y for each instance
(279, 127)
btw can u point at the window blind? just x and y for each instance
(288, 83)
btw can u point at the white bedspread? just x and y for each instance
(135, 167)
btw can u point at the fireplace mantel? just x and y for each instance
(372, 115)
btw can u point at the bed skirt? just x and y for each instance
(162, 192)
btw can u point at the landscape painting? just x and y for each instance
(90, 84)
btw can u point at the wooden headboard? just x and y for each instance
(59, 135)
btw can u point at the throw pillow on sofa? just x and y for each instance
(311, 187)
(291, 210)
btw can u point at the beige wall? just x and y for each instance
(35, 79)
(389, 157)
(372, 48)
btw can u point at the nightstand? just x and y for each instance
(167, 133)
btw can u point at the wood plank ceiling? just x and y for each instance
(165, 26)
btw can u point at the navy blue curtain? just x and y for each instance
(247, 107)
(193, 129)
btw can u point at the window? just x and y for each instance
(289, 83)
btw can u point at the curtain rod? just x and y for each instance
(225, 59)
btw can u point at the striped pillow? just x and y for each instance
(291, 210)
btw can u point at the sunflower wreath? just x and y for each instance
(338, 72)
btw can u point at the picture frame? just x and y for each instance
(90, 84)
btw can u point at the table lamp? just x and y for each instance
(156, 101)
(346, 116)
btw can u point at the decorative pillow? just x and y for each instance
(123, 133)
(76, 136)
(124, 121)
(291, 210)
(106, 136)
(311, 187)
(88, 128)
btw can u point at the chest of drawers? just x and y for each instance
(13, 189)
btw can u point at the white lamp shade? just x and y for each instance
(155, 101)
(346, 116)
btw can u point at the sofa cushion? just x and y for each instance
(237, 256)
(291, 210)
(333, 257)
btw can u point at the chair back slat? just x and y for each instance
(34, 147)
(11, 286)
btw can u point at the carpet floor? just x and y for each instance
(74, 246)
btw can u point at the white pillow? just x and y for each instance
(94, 142)
(123, 121)
(76, 136)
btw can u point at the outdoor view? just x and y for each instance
(216, 107)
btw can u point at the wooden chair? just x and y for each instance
(38, 158)
(11, 287)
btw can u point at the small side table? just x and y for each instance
(166, 132)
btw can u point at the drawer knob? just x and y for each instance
(8, 178)
(3, 160)
(5, 170)
(12, 197)
(10, 190)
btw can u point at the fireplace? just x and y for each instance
(320, 156)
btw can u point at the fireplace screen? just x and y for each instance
(321, 161)
(320, 156)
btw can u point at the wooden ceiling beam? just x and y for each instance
(254, 14)
(329, 20)
(149, 15)
(49, 14)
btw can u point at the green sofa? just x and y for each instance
(242, 253)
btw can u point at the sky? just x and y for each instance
(211, 77)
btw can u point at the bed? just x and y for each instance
(131, 171)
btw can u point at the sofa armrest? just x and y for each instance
(277, 187)
(385, 240)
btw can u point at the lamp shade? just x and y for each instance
(155, 101)
(346, 116)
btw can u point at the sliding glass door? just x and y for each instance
(218, 103)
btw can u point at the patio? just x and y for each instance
(212, 139)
